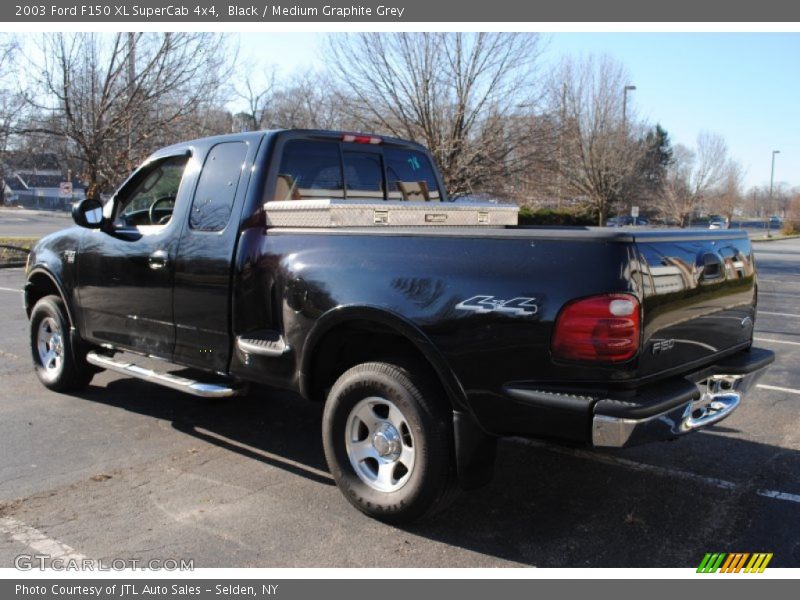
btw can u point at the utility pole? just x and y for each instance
(625, 90)
(560, 170)
(131, 73)
(771, 182)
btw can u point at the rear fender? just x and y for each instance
(403, 327)
(475, 449)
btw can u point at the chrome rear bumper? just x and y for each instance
(719, 396)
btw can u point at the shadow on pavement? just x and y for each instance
(544, 508)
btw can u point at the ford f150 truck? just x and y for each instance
(336, 265)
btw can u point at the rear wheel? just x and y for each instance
(58, 367)
(388, 441)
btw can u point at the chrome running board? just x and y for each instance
(175, 382)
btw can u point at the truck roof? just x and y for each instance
(318, 133)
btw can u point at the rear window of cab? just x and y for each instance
(314, 169)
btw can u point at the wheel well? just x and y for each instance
(355, 342)
(38, 286)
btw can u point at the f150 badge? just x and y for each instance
(487, 304)
(661, 346)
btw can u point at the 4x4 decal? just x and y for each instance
(487, 304)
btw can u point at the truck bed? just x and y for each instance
(614, 234)
(689, 314)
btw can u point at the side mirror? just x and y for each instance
(88, 213)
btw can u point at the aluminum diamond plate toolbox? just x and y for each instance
(360, 213)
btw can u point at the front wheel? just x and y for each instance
(58, 367)
(387, 438)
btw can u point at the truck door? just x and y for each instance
(202, 292)
(124, 275)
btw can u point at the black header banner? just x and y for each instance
(406, 11)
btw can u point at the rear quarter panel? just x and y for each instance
(426, 280)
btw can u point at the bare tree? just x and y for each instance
(452, 92)
(9, 100)
(256, 97)
(600, 150)
(759, 203)
(307, 100)
(117, 97)
(693, 176)
(766, 202)
(728, 197)
(793, 212)
(678, 199)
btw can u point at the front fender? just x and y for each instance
(51, 269)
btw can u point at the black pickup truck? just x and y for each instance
(335, 265)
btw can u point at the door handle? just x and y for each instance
(158, 259)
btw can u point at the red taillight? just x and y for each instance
(600, 328)
(361, 139)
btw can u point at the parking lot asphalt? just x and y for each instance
(20, 222)
(127, 469)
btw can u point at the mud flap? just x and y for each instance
(475, 452)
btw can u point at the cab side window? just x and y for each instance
(410, 175)
(152, 195)
(309, 170)
(216, 189)
(363, 174)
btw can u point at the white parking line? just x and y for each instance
(5, 289)
(776, 388)
(779, 495)
(771, 341)
(779, 281)
(774, 314)
(38, 541)
(5, 354)
(664, 471)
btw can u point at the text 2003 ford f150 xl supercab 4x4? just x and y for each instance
(335, 265)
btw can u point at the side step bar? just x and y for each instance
(182, 384)
(263, 343)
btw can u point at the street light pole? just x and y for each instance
(625, 90)
(771, 182)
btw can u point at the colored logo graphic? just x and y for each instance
(737, 562)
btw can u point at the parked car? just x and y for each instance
(336, 266)
(627, 221)
(718, 222)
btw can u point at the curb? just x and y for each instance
(775, 238)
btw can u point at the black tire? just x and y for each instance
(69, 371)
(426, 430)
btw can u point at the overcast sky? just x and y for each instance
(744, 86)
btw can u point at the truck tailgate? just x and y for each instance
(698, 298)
